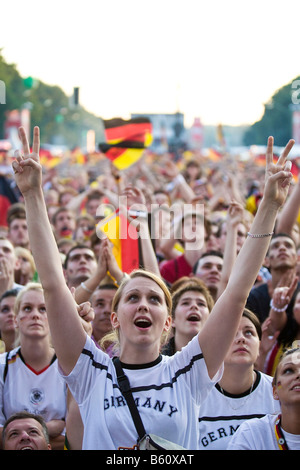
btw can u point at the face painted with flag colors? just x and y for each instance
(286, 383)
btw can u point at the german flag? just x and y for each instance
(7, 197)
(126, 140)
(126, 248)
(214, 155)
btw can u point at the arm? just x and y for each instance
(288, 216)
(234, 217)
(67, 334)
(228, 309)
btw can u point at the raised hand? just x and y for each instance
(27, 168)
(277, 175)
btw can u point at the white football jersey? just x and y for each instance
(221, 413)
(259, 434)
(167, 393)
(22, 389)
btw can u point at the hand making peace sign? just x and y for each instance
(27, 168)
(277, 175)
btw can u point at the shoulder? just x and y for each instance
(254, 434)
(259, 291)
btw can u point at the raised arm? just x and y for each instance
(234, 217)
(221, 326)
(67, 334)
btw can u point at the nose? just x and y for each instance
(282, 247)
(10, 314)
(194, 305)
(143, 306)
(24, 437)
(239, 338)
(35, 313)
(214, 269)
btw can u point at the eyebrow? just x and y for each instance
(76, 255)
(151, 291)
(16, 429)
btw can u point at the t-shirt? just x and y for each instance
(167, 392)
(174, 269)
(222, 413)
(22, 389)
(259, 302)
(259, 434)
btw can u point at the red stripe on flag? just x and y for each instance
(128, 131)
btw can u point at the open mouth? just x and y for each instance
(143, 323)
(193, 317)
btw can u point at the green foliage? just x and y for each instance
(276, 120)
(50, 108)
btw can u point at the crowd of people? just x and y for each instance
(206, 326)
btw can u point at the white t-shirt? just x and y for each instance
(222, 413)
(167, 392)
(23, 389)
(259, 434)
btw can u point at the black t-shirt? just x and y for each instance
(259, 302)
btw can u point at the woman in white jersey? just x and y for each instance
(242, 393)
(167, 390)
(29, 376)
(282, 430)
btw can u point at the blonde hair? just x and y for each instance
(25, 253)
(35, 286)
(112, 338)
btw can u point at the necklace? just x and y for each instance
(244, 402)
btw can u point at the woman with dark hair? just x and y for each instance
(242, 393)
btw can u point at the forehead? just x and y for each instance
(192, 294)
(246, 322)
(141, 284)
(9, 300)
(64, 213)
(210, 260)
(32, 296)
(17, 221)
(275, 242)
(293, 359)
(104, 294)
(81, 252)
(26, 423)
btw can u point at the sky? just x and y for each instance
(217, 60)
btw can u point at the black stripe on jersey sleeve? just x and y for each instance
(230, 417)
(180, 372)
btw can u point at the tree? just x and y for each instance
(276, 120)
(49, 107)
